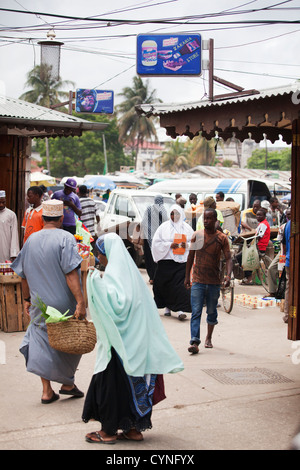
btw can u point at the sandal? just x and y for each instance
(193, 348)
(74, 392)
(127, 437)
(99, 439)
(54, 397)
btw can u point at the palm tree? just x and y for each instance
(45, 90)
(202, 151)
(134, 129)
(175, 157)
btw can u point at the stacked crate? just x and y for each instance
(12, 314)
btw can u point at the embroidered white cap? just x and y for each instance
(53, 208)
(2, 194)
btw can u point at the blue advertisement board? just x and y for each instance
(165, 55)
(94, 101)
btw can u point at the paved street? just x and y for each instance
(242, 394)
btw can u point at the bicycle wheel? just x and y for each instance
(262, 271)
(228, 296)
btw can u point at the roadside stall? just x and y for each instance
(21, 121)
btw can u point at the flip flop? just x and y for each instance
(124, 437)
(74, 392)
(50, 400)
(99, 439)
(209, 346)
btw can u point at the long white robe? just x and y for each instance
(9, 240)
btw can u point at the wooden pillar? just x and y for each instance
(294, 297)
(12, 174)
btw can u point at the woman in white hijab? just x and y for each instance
(170, 247)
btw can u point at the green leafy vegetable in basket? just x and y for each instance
(50, 314)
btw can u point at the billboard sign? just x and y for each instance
(94, 101)
(167, 55)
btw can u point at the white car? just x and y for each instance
(100, 206)
(124, 211)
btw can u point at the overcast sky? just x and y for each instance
(103, 54)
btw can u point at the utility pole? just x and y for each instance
(211, 69)
(105, 156)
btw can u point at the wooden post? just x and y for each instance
(294, 298)
(211, 70)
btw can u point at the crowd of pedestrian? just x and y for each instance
(183, 263)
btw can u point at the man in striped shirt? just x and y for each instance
(89, 211)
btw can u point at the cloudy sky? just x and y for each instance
(251, 49)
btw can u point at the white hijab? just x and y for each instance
(164, 236)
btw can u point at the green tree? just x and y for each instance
(45, 90)
(133, 128)
(202, 151)
(85, 155)
(276, 160)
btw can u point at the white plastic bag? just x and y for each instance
(250, 256)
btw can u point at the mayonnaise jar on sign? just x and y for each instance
(149, 53)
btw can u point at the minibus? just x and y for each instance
(242, 191)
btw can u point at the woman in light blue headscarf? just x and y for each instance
(133, 348)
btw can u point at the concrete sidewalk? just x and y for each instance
(242, 394)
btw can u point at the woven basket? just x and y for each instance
(73, 336)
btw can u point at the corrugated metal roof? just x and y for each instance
(165, 108)
(27, 119)
(15, 108)
(232, 172)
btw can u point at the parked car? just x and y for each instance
(100, 206)
(123, 213)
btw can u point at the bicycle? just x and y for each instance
(227, 293)
(262, 271)
(264, 262)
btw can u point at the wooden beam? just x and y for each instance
(294, 283)
(228, 84)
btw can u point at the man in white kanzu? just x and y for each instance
(9, 240)
(49, 266)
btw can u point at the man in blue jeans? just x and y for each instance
(204, 257)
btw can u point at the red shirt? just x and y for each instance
(263, 231)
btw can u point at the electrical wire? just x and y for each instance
(181, 20)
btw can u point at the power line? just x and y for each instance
(182, 20)
(255, 73)
(258, 41)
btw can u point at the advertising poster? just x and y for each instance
(94, 101)
(175, 54)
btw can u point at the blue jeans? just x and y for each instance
(201, 293)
